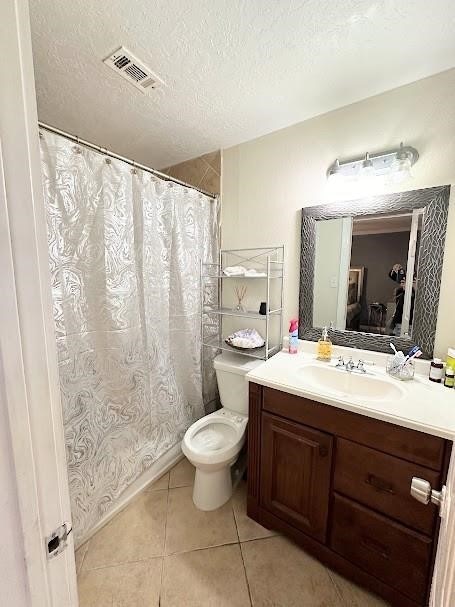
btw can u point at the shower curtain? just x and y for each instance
(125, 250)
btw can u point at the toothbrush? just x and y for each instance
(397, 353)
(414, 352)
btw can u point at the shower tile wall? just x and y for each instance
(202, 172)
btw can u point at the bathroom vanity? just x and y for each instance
(333, 470)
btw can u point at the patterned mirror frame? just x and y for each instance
(435, 201)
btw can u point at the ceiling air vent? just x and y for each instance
(126, 65)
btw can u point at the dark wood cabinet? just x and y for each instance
(392, 552)
(338, 483)
(295, 473)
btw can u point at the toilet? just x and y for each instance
(213, 443)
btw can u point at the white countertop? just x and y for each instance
(424, 405)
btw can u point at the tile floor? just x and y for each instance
(163, 552)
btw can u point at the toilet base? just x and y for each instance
(212, 489)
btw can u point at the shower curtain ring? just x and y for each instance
(133, 170)
(77, 149)
(107, 160)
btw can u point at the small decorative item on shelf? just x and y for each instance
(240, 293)
(263, 308)
(245, 339)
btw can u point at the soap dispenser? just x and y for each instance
(324, 346)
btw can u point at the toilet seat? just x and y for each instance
(216, 438)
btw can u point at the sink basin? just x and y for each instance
(339, 382)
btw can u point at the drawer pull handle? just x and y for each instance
(323, 451)
(375, 546)
(379, 484)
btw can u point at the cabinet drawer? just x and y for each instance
(392, 553)
(382, 482)
(410, 445)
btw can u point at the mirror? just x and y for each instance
(368, 290)
(371, 269)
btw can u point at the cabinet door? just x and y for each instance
(295, 474)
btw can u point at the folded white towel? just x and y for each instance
(234, 271)
(254, 273)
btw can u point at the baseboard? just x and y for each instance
(156, 470)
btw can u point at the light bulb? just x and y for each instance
(335, 177)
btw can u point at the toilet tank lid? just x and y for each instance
(235, 363)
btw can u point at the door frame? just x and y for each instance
(28, 360)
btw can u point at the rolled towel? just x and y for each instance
(234, 271)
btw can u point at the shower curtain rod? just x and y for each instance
(134, 164)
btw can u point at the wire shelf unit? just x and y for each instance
(216, 289)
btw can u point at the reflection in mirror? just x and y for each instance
(331, 267)
(365, 272)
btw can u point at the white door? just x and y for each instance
(29, 391)
(443, 584)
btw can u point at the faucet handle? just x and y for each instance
(362, 362)
(361, 365)
(340, 362)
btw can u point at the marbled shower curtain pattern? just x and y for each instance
(125, 250)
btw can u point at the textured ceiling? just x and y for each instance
(234, 69)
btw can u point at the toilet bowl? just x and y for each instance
(213, 443)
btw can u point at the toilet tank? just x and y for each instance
(232, 385)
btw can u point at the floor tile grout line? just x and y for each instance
(246, 575)
(233, 543)
(337, 590)
(83, 558)
(180, 486)
(258, 539)
(241, 554)
(112, 565)
(165, 538)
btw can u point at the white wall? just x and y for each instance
(265, 182)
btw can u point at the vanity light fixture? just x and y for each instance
(395, 164)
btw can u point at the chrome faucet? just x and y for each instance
(351, 367)
(340, 362)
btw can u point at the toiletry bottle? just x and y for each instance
(449, 380)
(293, 336)
(324, 351)
(450, 362)
(436, 370)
